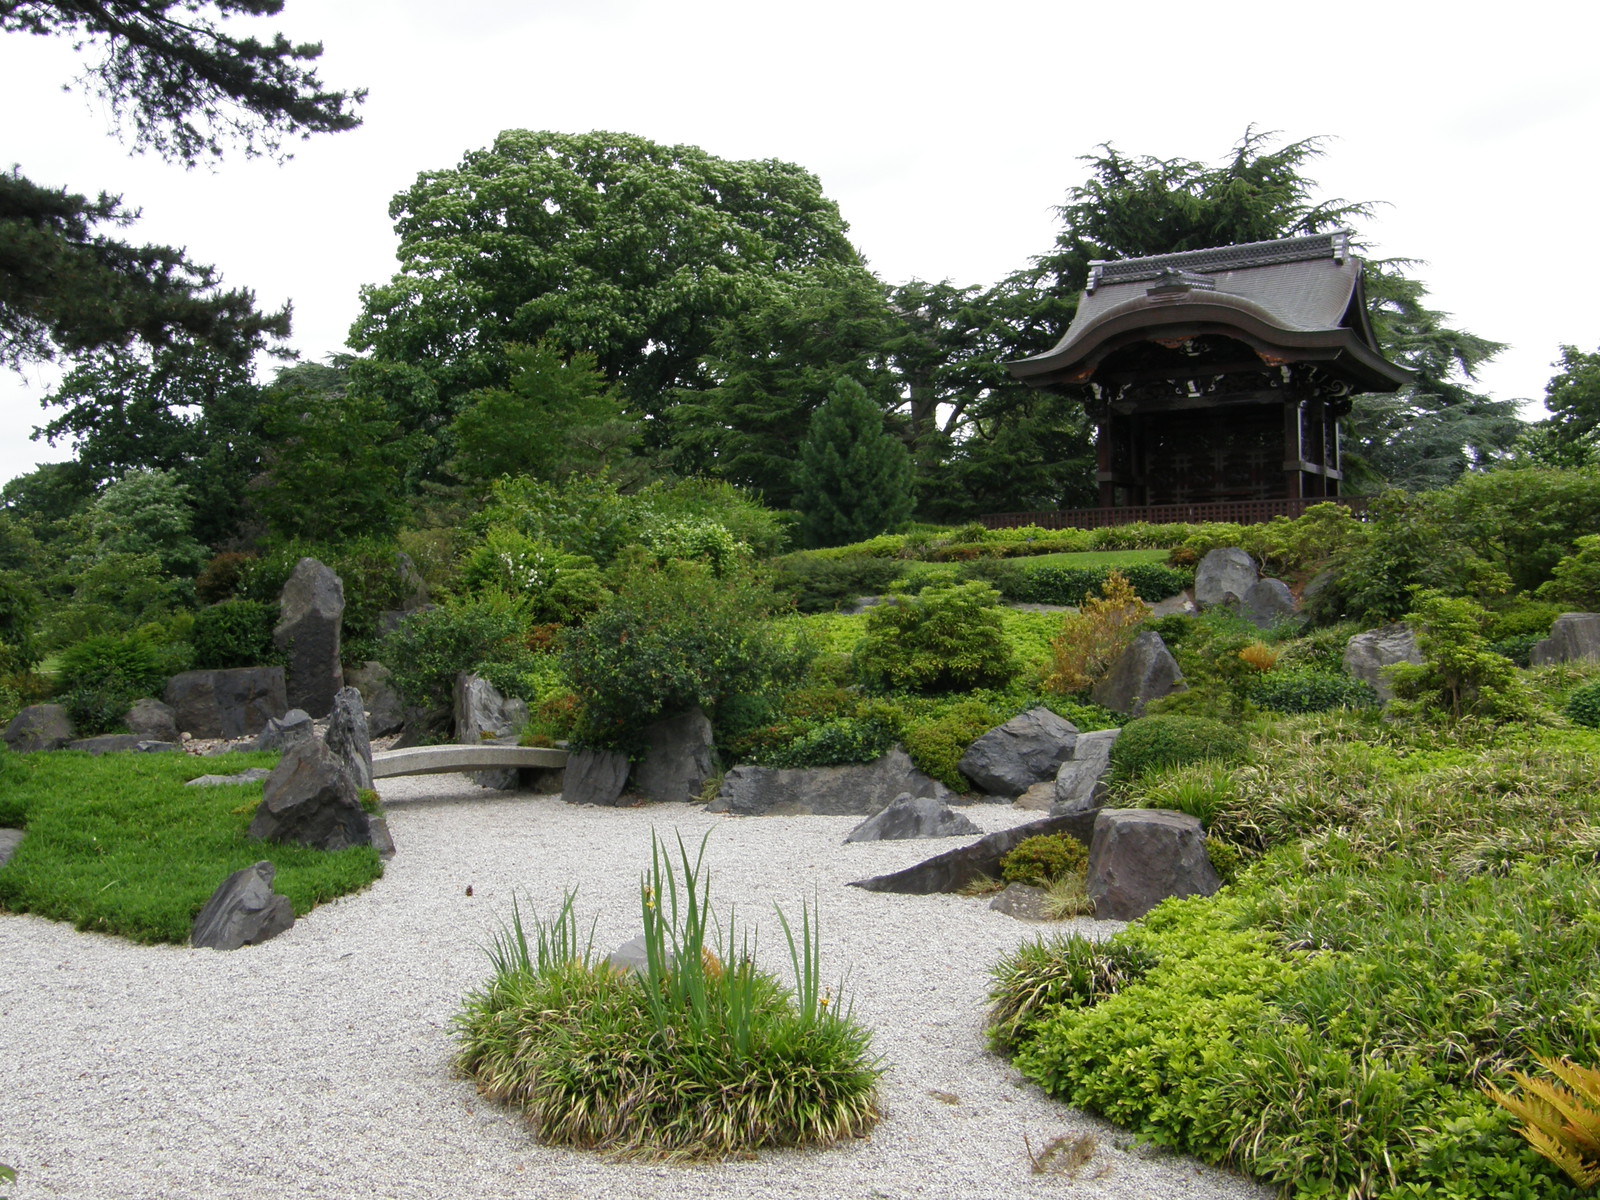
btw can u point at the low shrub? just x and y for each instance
(1201, 789)
(1041, 859)
(430, 647)
(1157, 743)
(1091, 640)
(841, 740)
(695, 1056)
(824, 584)
(1583, 706)
(1073, 585)
(936, 742)
(555, 587)
(1460, 676)
(1307, 690)
(949, 638)
(1575, 581)
(234, 633)
(101, 676)
(1040, 978)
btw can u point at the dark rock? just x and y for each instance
(293, 727)
(1269, 602)
(482, 714)
(542, 781)
(310, 613)
(1145, 671)
(1025, 901)
(121, 743)
(227, 704)
(953, 870)
(1026, 750)
(910, 817)
(595, 777)
(310, 798)
(1141, 856)
(423, 727)
(39, 727)
(1575, 637)
(677, 762)
(1223, 577)
(347, 736)
(10, 839)
(382, 839)
(244, 911)
(857, 790)
(151, 719)
(1367, 654)
(248, 775)
(1081, 783)
(386, 711)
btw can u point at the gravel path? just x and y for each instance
(318, 1064)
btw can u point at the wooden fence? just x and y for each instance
(1239, 512)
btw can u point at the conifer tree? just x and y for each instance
(853, 479)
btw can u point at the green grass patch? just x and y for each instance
(117, 844)
(698, 1055)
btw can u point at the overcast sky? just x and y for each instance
(945, 132)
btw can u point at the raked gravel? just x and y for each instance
(319, 1064)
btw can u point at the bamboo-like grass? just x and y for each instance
(700, 1055)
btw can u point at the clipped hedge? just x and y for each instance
(1172, 740)
(1073, 585)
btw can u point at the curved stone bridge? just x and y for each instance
(432, 760)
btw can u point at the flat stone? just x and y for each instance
(1367, 654)
(953, 870)
(853, 790)
(10, 839)
(1025, 901)
(39, 727)
(382, 839)
(1575, 637)
(1026, 750)
(1223, 577)
(244, 911)
(310, 615)
(121, 743)
(248, 775)
(1081, 783)
(1141, 856)
(1145, 671)
(909, 817)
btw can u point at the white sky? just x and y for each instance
(944, 131)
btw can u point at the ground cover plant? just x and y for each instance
(1417, 915)
(117, 844)
(700, 1054)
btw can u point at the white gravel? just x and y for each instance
(319, 1064)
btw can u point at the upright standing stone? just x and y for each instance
(310, 798)
(595, 777)
(151, 719)
(1575, 637)
(1145, 671)
(1224, 576)
(386, 711)
(678, 761)
(1269, 602)
(310, 612)
(1080, 784)
(482, 714)
(1141, 856)
(1367, 654)
(347, 736)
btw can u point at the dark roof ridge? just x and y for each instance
(1334, 244)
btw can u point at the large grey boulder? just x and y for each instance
(910, 817)
(1026, 750)
(39, 727)
(482, 714)
(1145, 671)
(386, 711)
(310, 613)
(310, 799)
(244, 911)
(347, 736)
(152, 720)
(1269, 602)
(594, 777)
(227, 704)
(856, 790)
(1367, 654)
(294, 727)
(1575, 637)
(1223, 577)
(121, 743)
(1081, 782)
(677, 761)
(954, 869)
(1141, 856)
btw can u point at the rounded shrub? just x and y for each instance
(1583, 706)
(101, 676)
(948, 638)
(1171, 740)
(842, 740)
(235, 633)
(1311, 691)
(1039, 860)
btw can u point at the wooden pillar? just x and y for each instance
(1293, 480)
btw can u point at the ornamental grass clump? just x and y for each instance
(699, 1054)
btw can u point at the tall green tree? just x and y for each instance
(853, 479)
(1570, 435)
(182, 86)
(598, 242)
